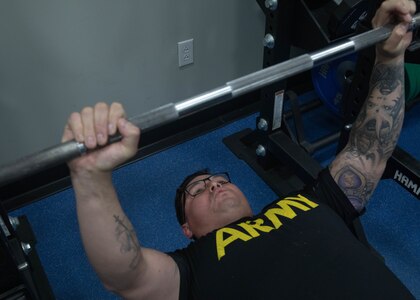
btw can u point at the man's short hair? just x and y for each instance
(180, 195)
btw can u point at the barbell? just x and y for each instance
(65, 152)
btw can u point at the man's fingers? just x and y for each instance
(382, 15)
(74, 128)
(130, 134)
(413, 7)
(101, 122)
(89, 127)
(398, 36)
(92, 126)
(67, 134)
(389, 9)
(116, 112)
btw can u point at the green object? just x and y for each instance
(412, 81)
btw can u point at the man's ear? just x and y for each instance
(186, 229)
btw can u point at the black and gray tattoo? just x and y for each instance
(126, 235)
(377, 127)
(374, 135)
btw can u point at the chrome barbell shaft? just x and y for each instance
(65, 152)
(306, 62)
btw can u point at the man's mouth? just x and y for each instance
(218, 193)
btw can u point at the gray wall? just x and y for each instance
(57, 56)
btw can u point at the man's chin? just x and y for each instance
(226, 202)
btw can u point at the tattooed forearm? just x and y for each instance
(376, 130)
(359, 167)
(126, 235)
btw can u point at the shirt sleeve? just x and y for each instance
(327, 191)
(184, 273)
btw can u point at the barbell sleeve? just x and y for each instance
(65, 152)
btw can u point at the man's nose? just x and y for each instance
(212, 185)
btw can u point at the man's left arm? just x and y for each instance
(358, 168)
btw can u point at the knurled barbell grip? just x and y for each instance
(39, 161)
(65, 152)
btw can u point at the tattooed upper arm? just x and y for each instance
(358, 168)
(129, 245)
(147, 273)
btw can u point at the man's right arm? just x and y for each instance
(108, 236)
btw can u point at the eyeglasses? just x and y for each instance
(199, 186)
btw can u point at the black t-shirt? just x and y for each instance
(296, 248)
